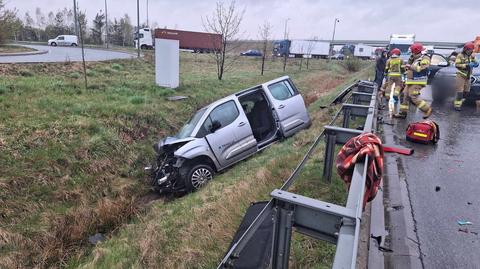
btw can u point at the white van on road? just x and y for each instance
(64, 40)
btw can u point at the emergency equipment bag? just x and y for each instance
(424, 132)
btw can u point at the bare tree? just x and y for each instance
(311, 45)
(226, 21)
(264, 33)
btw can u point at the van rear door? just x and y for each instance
(288, 104)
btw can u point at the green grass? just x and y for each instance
(72, 162)
(14, 49)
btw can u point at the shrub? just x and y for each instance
(3, 89)
(117, 66)
(75, 75)
(26, 73)
(352, 64)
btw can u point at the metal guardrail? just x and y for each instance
(333, 223)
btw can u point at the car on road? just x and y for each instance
(337, 56)
(251, 53)
(226, 132)
(64, 40)
(443, 84)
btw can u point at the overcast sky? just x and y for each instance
(430, 20)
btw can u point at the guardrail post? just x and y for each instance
(282, 234)
(331, 140)
(346, 117)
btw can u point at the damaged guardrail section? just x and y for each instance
(333, 223)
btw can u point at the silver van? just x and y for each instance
(226, 132)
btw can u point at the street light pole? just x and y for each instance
(333, 36)
(138, 29)
(147, 15)
(106, 24)
(287, 46)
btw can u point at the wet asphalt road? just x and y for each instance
(444, 186)
(62, 54)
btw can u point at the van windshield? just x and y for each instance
(187, 129)
(402, 47)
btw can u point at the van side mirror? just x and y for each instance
(215, 126)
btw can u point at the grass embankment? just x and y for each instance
(72, 159)
(14, 49)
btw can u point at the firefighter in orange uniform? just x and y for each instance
(464, 63)
(417, 75)
(394, 70)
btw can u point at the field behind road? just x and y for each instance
(72, 164)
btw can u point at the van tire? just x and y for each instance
(143, 47)
(74, 45)
(197, 176)
(54, 44)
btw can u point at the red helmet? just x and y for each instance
(468, 46)
(416, 48)
(396, 51)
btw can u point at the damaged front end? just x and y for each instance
(165, 173)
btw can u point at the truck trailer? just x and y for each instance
(195, 41)
(301, 48)
(363, 51)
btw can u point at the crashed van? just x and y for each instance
(226, 132)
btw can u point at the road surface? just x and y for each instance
(62, 54)
(443, 187)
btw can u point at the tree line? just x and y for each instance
(42, 26)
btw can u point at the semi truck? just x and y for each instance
(301, 48)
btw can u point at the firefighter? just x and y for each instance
(417, 74)
(464, 63)
(394, 68)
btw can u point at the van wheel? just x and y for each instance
(54, 44)
(74, 45)
(143, 47)
(198, 176)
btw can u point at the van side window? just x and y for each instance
(281, 90)
(225, 113)
(61, 38)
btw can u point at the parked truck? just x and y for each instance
(144, 39)
(301, 48)
(363, 51)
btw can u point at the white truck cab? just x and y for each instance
(403, 43)
(144, 38)
(64, 40)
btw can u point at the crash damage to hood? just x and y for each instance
(170, 144)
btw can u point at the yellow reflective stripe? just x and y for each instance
(416, 82)
(463, 73)
(422, 104)
(416, 92)
(425, 61)
(457, 103)
(403, 107)
(419, 134)
(394, 74)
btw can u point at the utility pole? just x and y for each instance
(75, 16)
(106, 24)
(287, 44)
(138, 29)
(148, 24)
(333, 36)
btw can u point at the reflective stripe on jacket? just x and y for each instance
(394, 67)
(461, 63)
(419, 70)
